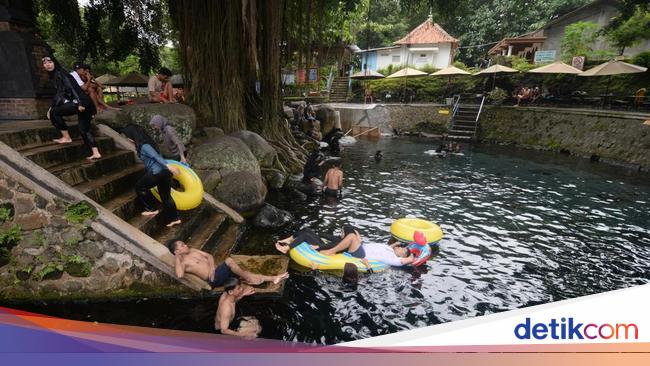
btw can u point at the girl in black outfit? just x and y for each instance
(70, 100)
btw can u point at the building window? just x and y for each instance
(395, 59)
(423, 55)
(384, 55)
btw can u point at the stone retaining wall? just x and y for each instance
(387, 117)
(43, 255)
(618, 138)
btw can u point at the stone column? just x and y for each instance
(25, 89)
(510, 50)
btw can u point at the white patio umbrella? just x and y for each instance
(405, 73)
(367, 74)
(450, 71)
(611, 68)
(494, 70)
(557, 67)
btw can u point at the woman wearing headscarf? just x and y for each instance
(157, 174)
(171, 143)
(70, 100)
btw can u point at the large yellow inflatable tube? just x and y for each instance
(403, 229)
(304, 255)
(192, 194)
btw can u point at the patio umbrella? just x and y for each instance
(405, 73)
(450, 71)
(613, 67)
(557, 67)
(494, 70)
(367, 75)
(133, 79)
(104, 78)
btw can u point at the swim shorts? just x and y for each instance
(221, 274)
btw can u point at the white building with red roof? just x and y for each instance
(427, 44)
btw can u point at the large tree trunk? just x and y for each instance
(231, 56)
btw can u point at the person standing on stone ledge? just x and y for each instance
(70, 100)
(171, 143)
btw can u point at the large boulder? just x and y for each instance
(181, 116)
(272, 217)
(328, 117)
(294, 182)
(225, 154)
(274, 178)
(243, 191)
(263, 151)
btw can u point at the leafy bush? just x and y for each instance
(79, 212)
(5, 214)
(497, 96)
(642, 59)
(521, 64)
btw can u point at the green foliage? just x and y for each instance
(5, 214)
(10, 237)
(521, 64)
(105, 31)
(497, 96)
(38, 238)
(577, 40)
(642, 59)
(631, 31)
(49, 271)
(77, 266)
(79, 212)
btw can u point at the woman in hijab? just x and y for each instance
(70, 100)
(171, 143)
(157, 174)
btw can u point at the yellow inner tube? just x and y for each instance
(192, 194)
(403, 230)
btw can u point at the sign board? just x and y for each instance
(301, 76)
(312, 75)
(543, 57)
(578, 62)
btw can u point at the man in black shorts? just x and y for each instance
(201, 264)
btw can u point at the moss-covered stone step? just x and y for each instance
(28, 134)
(226, 242)
(109, 186)
(82, 170)
(125, 205)
(51, 154)
(269, 265)
(209, 231)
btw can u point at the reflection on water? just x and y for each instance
(521, 228)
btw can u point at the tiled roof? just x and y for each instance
(427, 32)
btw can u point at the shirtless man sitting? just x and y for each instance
(224, 319)
(201, 264)
(333, 180)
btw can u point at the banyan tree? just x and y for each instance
(230, 52)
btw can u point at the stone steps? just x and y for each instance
(209, 230)
(50, 154)
(30, 134)
(225, 243)
(190, 221)
(82, 170)
(108, 186)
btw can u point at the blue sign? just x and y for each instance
(543, 57)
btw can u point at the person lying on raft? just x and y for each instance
(305, 235)
(333, 180)
(224, 319)
(201, 264)
(392, 254)
(350, 242)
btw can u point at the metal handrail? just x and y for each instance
(478, 115)
(455, 111)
